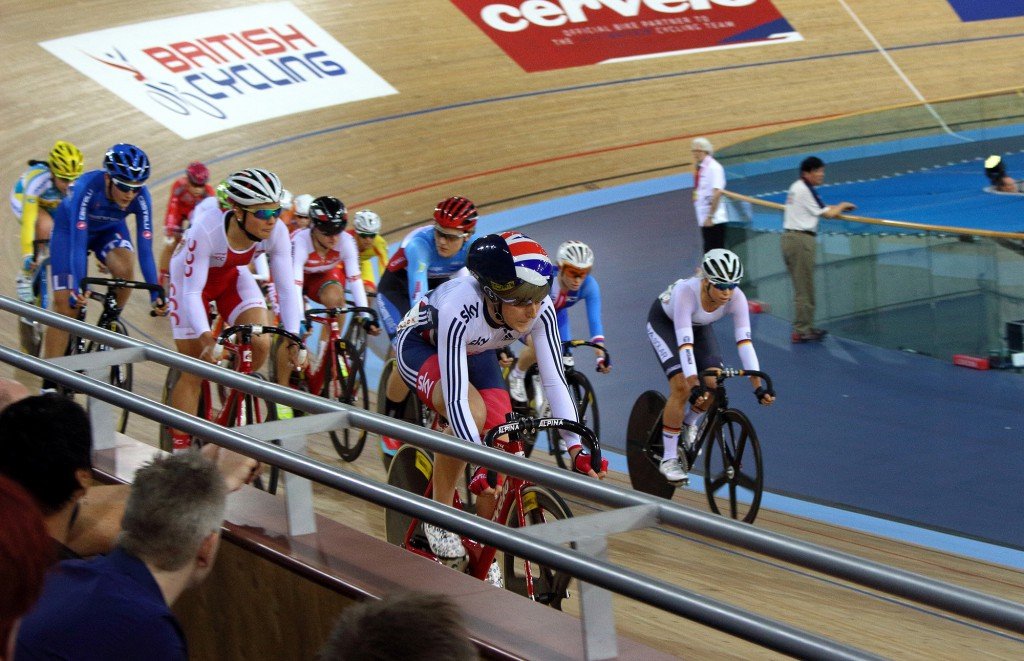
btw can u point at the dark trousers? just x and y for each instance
(714, 236)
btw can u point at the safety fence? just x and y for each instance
(629, 510)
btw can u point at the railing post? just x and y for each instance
(596, 613)
(298, 493)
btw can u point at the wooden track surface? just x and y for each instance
(467, 120)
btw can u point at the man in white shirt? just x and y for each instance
(708, 184)
(799, 243)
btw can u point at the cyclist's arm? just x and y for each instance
(29, 213)
(78, 217)
(590, 292)
(143, 209)
(196, 272)
(279, 251)
(682, 310)
(740, 312)
(453, 361)
(418, 260)
(564, 331)
(172, 219)
(379, 249)
(353, 275)
(548, 345)
(301, 247)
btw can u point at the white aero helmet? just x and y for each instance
(575, 253)
(301, 204)
(722, 267)
(366, 222)
(254, 186)
(286, 198)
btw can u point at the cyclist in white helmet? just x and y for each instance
(300, 212)
(366, 231)
(205, 268)
(679, 328)
(573, 284)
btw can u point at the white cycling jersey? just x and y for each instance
(306, 259)
(204, 264)
(681, 302)
(453, 318)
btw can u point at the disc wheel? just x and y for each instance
(550, 587)
(733, 470)
(644, 446)
(410, 470)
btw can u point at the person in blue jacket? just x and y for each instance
(573, 283)
(93, 219)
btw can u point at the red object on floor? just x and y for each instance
(757, 307)
(973, 362)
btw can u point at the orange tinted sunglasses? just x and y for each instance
(573, 272)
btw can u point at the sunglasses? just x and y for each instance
(330, 230)
(521, 302)
(125, 187)
(265, 214)
(450, 237)
(573, 272)
(366, 236)
(724, 287)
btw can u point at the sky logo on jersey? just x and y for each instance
(541, 35)
(204, 73)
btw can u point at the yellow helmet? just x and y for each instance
(65, 160)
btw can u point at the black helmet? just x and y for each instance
(328, 215)
(510, 267)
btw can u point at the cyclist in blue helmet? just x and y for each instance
(93, 218)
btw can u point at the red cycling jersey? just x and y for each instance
(181, 204)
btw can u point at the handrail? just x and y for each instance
(971, 603)
(902, 224)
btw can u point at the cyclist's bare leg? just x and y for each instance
(448, 469)
(121, 264)
(185, 394)
(56, 340)
(396, 389)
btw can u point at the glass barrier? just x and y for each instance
(924, 291)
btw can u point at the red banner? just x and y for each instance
(556, 34)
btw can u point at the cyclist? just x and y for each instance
(681, 317)
(186, 192)
(300, 213)
(572, 284)
(93, 218)
(37, 192)
(209, 266)
(427, 257)
(446, 353)
(325, 262)
(366, 231)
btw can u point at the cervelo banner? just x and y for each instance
(555, 34)
(203, 73)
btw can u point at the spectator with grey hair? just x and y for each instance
(708, 184)
(118, 606)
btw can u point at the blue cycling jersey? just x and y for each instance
(589, 292)
(418, 256)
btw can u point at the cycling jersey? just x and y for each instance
(588, 292)
(181, 203)
(306, 260)
(453, 321)
(204, 268)
(89, 220)
(378, 249)
(34, 190)
(681, 304)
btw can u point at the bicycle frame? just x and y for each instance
(336, 359)
(721, 404)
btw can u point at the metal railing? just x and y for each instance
(635, 509)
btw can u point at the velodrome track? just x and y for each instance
(467, 120)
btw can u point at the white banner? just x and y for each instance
(204, 73)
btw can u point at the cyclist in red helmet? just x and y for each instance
(186, 193)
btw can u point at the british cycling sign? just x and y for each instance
(204, 73)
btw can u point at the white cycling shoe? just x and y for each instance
(446, 545)
(494, 576)
(674, 472)
(517, 388)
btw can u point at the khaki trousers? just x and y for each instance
(799, 251)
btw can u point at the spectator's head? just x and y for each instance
(45, 446)
(702, 145)
(11, 391)
(26, 551)
(408, 626)
(173, 515)
(810, 164)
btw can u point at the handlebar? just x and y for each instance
(517, 424)
(334, 312)
(720, 374)
(569, 345)
(248, 331)
(118, 283)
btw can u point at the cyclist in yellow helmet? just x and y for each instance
(38, 191)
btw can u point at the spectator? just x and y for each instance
(799, 244)
(407, 627)
(25, 554)
(708, 184)
(118, 606)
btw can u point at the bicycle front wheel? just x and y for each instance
(251, 410)
(347, 384)
(586, 406)
(733, 471)
(525, 577)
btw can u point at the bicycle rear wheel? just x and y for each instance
(411, 469)
(120, 376)
(733, 471)
(550, 586)
(347, 384)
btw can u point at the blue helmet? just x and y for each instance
(126, 163)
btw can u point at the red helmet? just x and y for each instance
(197, 173)
(456, 213)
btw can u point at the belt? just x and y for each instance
(804, 232)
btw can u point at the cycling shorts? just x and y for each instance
(662, 334)
(315, 282)
(418, 357)
(234, 295)
(101, 241)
